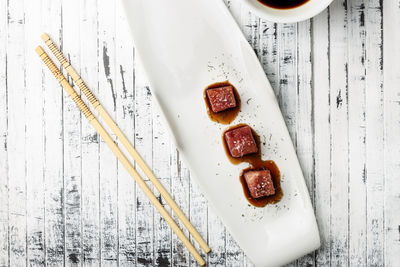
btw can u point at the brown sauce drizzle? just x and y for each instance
(283, 4)
(226, 116)
(256, 164)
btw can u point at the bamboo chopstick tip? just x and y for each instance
(39, 50)
(45, 37)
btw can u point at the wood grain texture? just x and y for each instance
(322, 155)
(125, 88)
(339, 134)
(375, 134)
(16, 143)
(53, 149)
(304, 114)
(65, 200)
(180, 192)
(72, 142)
(391, 98)
(34, 143)
(357, 133)
(4, 233)
(108, 163)
(90, 140)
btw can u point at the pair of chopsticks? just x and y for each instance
(117, 151)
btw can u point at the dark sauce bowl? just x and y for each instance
(283, 4)
(286, 11)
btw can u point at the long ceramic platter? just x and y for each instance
(186, 45)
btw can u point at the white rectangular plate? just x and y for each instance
(184, 46)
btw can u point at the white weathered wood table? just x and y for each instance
(64, 198)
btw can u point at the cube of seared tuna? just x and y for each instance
(240, 142)
(259, 183)
(221, 98)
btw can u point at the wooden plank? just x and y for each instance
(339, 114)
(3, 136)
(16, 134)
(287, 71)
(250, 27)
(391, 57)
(162, 170)
(125, 89)
(322, 155)
(53, 131)
(108, 162)
(357, 133)
(144, 146)
(375, 134)
(90, 140)
(180, 193)
(34, 139)
(198, 217)
(72, 140)
(269, 53)
(234, 255)
(304, 115)
(216, 240)
(287, 42)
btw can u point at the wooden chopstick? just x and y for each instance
(121, 136)
(117, 151)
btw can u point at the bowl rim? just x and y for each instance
(285, 15)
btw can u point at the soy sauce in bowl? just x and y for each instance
(283, 4)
